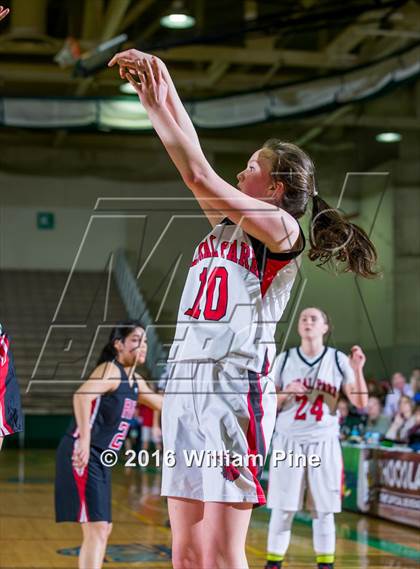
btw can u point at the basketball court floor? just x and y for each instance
(30, 538)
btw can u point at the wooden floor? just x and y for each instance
(29, 537)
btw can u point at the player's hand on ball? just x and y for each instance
(3, 12)
(81, 453)
(295, 388)
(357, 358)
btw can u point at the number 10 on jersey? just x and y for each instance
(212, 286)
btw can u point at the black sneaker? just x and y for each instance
(273, 565)
(325, 565)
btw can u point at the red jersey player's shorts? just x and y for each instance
(11, 419)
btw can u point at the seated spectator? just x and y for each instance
(415, 384)
(399, 388)
(376, 388)
(349, 418)
(413, 434)
(404, 420)
(376, 421)
(343, 409)
(384, 383)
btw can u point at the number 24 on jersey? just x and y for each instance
(315, 409)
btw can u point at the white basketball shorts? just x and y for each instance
(217, 421)
(323, 484)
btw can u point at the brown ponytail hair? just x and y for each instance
(334, 240)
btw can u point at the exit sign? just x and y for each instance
(45, 220)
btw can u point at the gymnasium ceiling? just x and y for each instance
(236, 46)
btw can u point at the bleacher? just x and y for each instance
(53, 323)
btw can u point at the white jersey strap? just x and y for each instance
(338, 364)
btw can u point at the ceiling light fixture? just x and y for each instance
(388, 137)
(177, 17)
(123, 114)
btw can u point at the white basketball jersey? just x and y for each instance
(235, 293)
(312, 415)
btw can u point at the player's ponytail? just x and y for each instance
(334, 240)
(120, 332)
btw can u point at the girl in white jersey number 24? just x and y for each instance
(219, 401)
(308, 379)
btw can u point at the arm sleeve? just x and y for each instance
(343, 364)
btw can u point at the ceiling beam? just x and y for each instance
(271, 73)
(349, 38)
(151, 29)
(377, 48)
(97, 141)
(250, 10)
(214, 73)
(329, 120)
(408, 123)
(28, 30)
(247, 56)
(404, 27)
(49, 45)
(93, 15)
(265, 43)
(186, 80)
(30, 73)
(113, 18)
(29, 18)
(135, 13)
(395, 33)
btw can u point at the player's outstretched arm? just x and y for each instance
(126, 60)
(3, 12)
(268, 223)
(357, 392)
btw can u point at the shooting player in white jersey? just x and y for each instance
(309, 379)
(219, 398)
